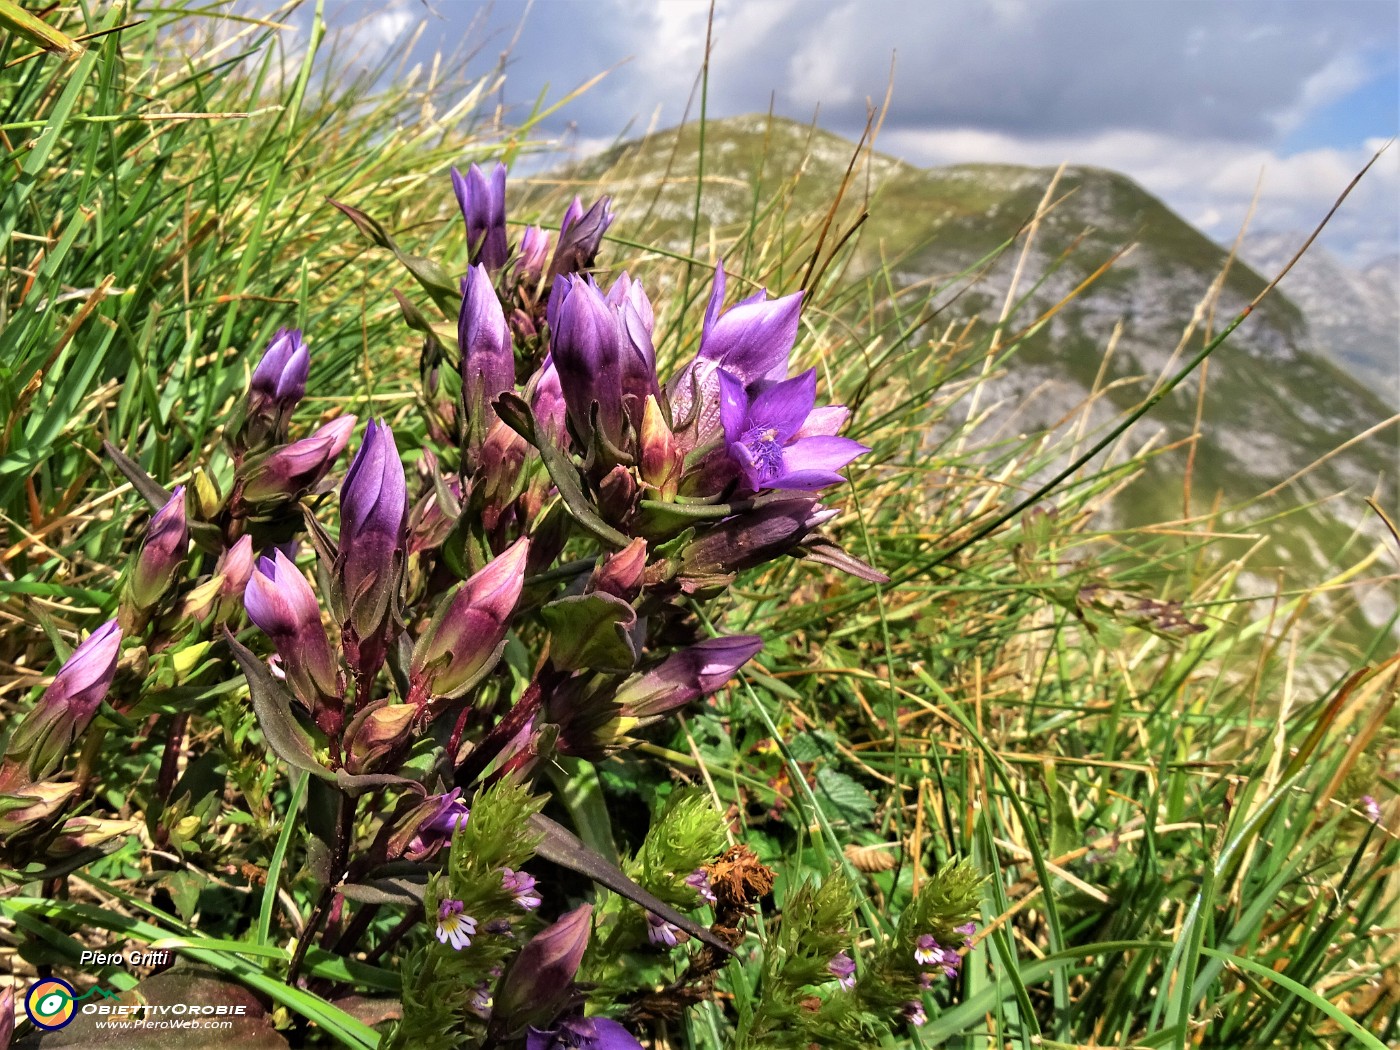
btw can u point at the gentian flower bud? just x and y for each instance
(466, 637)
(277, 384)
(291, 470)
(603, 354)
(498, 469)
(234, 569)
(375, 731)
(373, 526)
(483, 204)
(686, 675)
(539, 980)
(162, 551)
(280, 378)
(534, 254)
(753, 537)
(661, 460)
(282, 604)
(29, 805)
(224, 590)
(546, 398)
(488, 361)
(64, 710)
(621, 574)
(580, 235)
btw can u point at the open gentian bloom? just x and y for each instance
(752, 341)
(771, 441)
(583, 1033)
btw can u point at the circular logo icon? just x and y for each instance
(50, 1003)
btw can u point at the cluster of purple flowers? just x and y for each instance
(933, 956)
(556, 431)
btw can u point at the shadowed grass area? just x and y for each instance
(1156, 749)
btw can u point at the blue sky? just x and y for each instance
(1192, 98)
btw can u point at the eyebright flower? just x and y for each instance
(699, 881)
(927, 951)
(914, 1013)
(967, 929)
(661, 932)
(843, 968)
(1372, 808)
(480, 1001)
(454, 927)
(522, 885)
(772, 440)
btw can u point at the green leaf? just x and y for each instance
(591, 632)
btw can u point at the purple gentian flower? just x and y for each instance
(487, 356)
(466, 637)
(287, 472)
(582, 1033)
(686, 675)
(454, 927)
(662, 933)
(65, 709)
(843, 968)
(522, 885)
(483, 204)
(282, 604)
(764, 435)
(752, 340)
(373, 527)
(162, 550)
(699, 881)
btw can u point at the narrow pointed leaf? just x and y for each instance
(142, 482)
(436, 281)
(564, 848)
(272, 703)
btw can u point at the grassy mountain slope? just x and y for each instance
(1272, 408)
